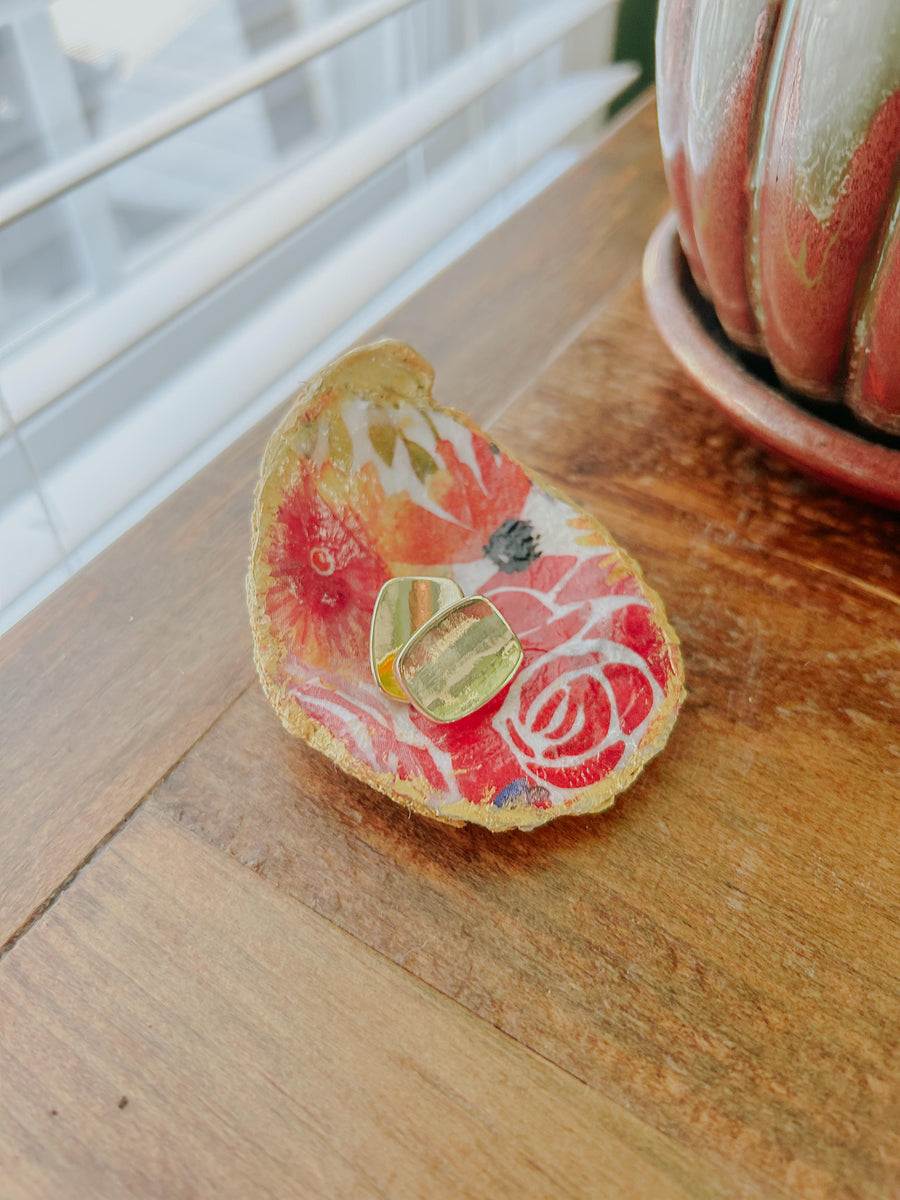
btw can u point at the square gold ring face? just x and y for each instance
(403, 606)
(459, 660)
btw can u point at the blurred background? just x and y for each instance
(201, 201)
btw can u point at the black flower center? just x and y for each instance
(513, 546)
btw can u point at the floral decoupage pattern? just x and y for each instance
(367, 479)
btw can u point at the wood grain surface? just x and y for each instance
(721, 954)
(115, 676)
(302, 990)
(179, 1029)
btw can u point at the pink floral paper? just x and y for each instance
(367, 490)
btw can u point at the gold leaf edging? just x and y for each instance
(399, 364)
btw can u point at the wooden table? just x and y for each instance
(232, 972)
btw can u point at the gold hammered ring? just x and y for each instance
(445, 653)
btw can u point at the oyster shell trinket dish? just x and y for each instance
(368, 480)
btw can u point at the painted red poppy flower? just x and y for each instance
(366, 480)
(325, 574)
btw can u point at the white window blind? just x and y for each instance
(202, 201)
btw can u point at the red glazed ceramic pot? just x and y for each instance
(780, 130)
